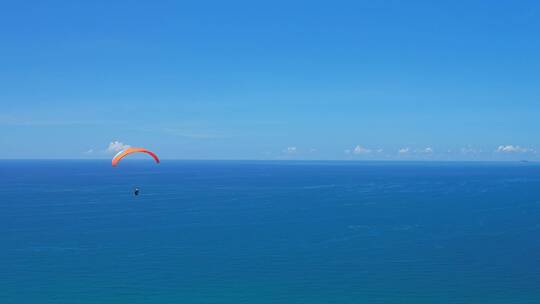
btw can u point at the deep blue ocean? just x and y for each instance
(269, 232)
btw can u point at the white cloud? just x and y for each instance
(428, 150)
(290, 150)
(90, 151)
(361, 150)
(116, 146)
(404, 150)
(512, 149)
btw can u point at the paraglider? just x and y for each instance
(129, 151)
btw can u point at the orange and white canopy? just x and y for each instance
(128, 151)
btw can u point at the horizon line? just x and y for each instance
(287, 160)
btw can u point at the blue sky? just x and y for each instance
(407, 80)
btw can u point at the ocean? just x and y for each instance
(71, 231)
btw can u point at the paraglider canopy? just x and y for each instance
(128, 151)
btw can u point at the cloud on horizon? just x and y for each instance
(290, 150)
(116, 146)
(404, 150)
(428, 150)
(512, 149)
(361, 150)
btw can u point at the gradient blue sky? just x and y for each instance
(271, 80)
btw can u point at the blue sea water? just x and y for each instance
(269, 232)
